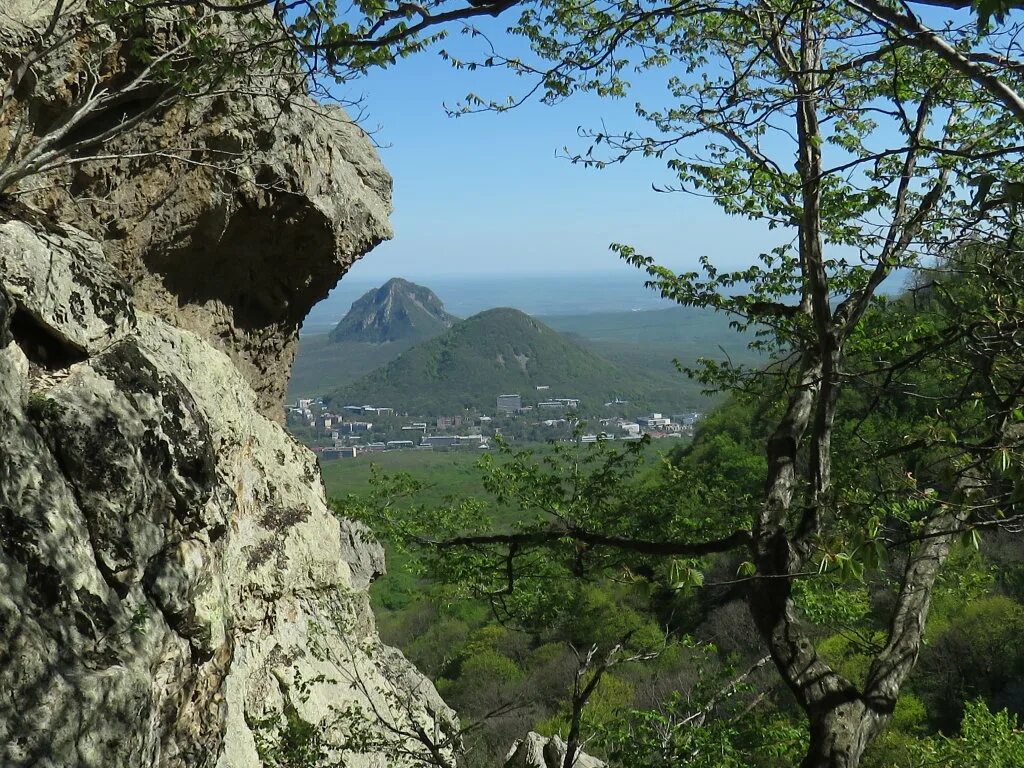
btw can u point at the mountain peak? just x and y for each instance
(499, 350)
(399, 310)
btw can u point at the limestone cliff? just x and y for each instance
(172, 576)
(231, 215)
(175, 591)
(536, 751)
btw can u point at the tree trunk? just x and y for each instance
(841, 721)
(840, 733)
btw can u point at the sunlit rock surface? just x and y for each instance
(175, 590)
(234, 215)
(174, 581)
(536, 751)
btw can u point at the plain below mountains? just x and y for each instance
(502, 351)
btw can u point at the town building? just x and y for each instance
(339, 452)
(364, 410)
(327, 420)
(654, 421)
(440, 441)
(686, 419)
(509, 403)
(443, 442)
(352, 427)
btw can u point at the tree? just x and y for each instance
(867, 151)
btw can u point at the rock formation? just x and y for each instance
(237, 238)
(536, 751)
(398, 311)
(176, 591)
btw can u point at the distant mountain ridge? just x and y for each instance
(498, 351)
(397, 311)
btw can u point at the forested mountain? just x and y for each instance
(645, 344)
(397, 311)
(499, 351)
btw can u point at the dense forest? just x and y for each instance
(823, 578)
(688, 678)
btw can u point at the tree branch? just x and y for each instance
(926, 39)
(640, 546)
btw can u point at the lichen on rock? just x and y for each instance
(239, 236)
(175, 579)
(176, 590)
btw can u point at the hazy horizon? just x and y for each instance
(553, 293)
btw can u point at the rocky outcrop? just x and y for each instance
(398, 311)
(176, 591)
(536, 751)
(234, 214)
(239, 258)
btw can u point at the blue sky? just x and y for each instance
(485, 194)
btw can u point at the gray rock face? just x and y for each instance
(175, 588)
(536, 751)
(239, 260)
(276, 197)
(72, 306)
(175, 591)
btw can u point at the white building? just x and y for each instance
(339, 452)
(440, 441)
(654, 421)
